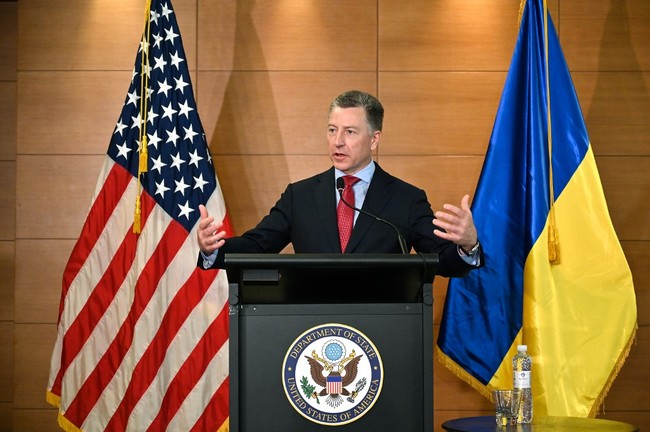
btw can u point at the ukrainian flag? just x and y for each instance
(555, 276)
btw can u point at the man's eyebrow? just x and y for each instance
(343, 127)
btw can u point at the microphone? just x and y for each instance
(340, 185)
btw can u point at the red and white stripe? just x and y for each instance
(142, 339)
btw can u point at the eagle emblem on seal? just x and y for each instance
(333, 371)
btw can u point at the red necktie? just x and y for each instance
(344, 213)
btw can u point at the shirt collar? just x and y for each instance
(364, 175)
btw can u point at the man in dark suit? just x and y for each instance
(306, 213)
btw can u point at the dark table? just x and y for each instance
(574, 424)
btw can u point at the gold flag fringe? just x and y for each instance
(52, 399)
(484, 390)
(64, 423)
(225, 427)
(600, 400)
(67, 426)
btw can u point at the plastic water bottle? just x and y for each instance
(521, 367)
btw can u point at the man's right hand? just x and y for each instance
(209, 236)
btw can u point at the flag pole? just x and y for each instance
(553, 241)
(144, 85)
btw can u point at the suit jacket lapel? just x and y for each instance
(325, 198)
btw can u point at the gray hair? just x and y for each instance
(358, 99)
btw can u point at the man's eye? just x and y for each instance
(350, 132)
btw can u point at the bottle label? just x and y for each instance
(522, 379)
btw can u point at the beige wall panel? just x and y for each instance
(80, 114)
(638, 256)
(6, 361)
(90, 35)
(272, 35)
(6, 417)
(36, 420)
(616, 107)
(33, 351)
(7, 280)
(7, 200)
(251, 185)
(606, 35)
(8, 38)
(265, 113)
(425, 35)
(439, 296)
(55, 206)
(439, 112)
(445, 179)
(38, 293)
(8, 104)
(626, 182)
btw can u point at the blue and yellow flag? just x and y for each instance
(555, 278)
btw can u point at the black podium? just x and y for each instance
(321, 341)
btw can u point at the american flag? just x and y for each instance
(142, 340)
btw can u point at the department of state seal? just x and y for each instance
(332, 374)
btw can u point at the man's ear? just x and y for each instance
(376, 136)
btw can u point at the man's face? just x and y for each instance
(349, 140)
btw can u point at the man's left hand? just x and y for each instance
(457, 223)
